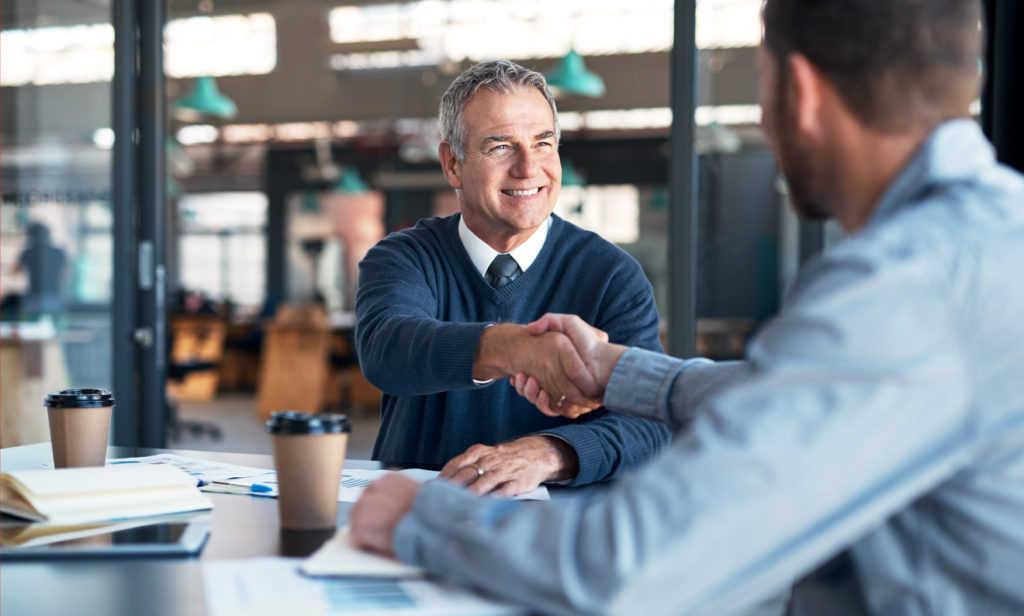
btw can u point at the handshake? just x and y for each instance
(562, 365)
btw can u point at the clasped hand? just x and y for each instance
(586, 360)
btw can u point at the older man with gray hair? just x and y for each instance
(441, 308)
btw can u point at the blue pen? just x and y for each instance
(234, 488)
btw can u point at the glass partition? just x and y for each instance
(55, 215)
(747, 238)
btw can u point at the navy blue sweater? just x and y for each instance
(421, 307)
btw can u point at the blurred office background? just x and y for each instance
(183, 210)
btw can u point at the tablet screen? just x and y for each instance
(164, 537)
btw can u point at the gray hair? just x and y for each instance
(497, 75)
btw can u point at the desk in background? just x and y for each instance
(308, 363)
(33, 366)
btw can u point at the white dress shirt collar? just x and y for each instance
(481, 254)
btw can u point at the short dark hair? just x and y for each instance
(498, 75)
(895, 63)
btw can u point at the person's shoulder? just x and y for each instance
(427, 232)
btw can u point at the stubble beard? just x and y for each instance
(805, 171)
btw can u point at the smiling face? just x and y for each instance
(509, 182)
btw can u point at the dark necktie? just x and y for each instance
(503, 270)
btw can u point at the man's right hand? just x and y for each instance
(549, 357)
(599, 355)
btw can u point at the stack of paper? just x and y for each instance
(99, 494)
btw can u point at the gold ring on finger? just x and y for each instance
(479, 471)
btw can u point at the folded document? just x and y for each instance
(99, 494)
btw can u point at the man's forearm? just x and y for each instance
(507, 349)
(496, 351)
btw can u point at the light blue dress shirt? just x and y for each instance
(871, 447)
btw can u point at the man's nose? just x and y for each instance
(526, 163)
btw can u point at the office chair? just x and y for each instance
(193, 334)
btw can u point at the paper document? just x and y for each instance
(353, 482)
(236, 479)
(273, 586)
(206, 470)
(338, 557)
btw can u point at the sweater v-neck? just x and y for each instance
(499, 296)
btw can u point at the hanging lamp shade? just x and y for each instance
(572, 76)
(206, 100)
(349, 183)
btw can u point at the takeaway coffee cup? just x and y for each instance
(79, 426)
(309, 450)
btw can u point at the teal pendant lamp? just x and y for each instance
(206, 100)
(350, 183)
(573, 77)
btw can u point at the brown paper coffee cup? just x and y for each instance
(309, 454)
(79, 426)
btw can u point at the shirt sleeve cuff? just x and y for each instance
(423, 537)
(561, 482)
(414, 532)
(488, 381)
(641, 384)
(589, 450)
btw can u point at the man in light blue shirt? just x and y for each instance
(870, 450)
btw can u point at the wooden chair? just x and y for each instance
(346, 388)
(294, 361)
(197, 339)
(196, 349)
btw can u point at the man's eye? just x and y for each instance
(501, 147)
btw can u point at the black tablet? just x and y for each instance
(174, 536)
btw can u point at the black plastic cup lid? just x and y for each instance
(295, 422)
(79, 398)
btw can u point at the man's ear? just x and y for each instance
(806, 91)
(450, 165)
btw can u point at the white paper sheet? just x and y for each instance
(207, 470)
(337, 557)
(237, 479)
(354, 481)
(273, 586)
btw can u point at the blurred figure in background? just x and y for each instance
(45, 266)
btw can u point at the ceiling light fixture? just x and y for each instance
(572, 77)
(350, 183)
(205, 100)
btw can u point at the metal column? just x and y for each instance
(682, 237)
(138, 329)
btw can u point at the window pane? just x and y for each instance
(222, 247)
(55, 217)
